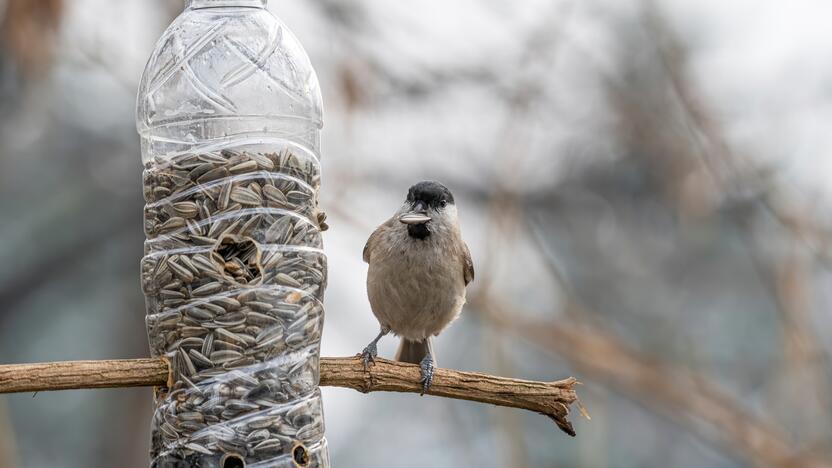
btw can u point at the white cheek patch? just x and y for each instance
(448, 214)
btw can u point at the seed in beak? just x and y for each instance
(414, 218)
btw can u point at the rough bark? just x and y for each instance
(548, 398)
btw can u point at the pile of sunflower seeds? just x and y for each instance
(234, 277)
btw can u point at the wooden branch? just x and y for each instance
(73, 375)
(548, 398)
(551, 399)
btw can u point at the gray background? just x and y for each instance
(642, 185)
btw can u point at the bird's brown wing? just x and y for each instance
(467, 265)
(371, 241)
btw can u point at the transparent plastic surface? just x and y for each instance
(229, 115)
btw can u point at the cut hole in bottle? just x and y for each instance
(239, 259)
(233, 461)
(300, 455)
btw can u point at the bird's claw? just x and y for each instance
(427, 366)
(369, 355)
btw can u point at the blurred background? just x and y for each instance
(642, 185)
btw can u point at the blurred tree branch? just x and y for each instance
(28, 32)
(686, 397)
(8, 442)
(786, 274)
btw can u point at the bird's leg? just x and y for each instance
(427, 365)
(370, 352)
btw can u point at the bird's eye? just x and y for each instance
(443, 203)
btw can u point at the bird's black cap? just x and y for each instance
(431, 193)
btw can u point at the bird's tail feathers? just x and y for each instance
(412, 351)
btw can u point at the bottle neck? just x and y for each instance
(225, 3)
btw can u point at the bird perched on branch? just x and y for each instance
(419, 268)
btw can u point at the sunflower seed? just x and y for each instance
(213, 174)
(246, 196)
(186, 209)
(243, 167)
(207, 289)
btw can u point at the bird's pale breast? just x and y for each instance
(415, 287)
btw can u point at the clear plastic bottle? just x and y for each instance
(229, 115)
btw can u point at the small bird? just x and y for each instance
(419, 268)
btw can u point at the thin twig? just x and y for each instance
(551, 399)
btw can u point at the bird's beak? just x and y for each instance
(417, 216)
